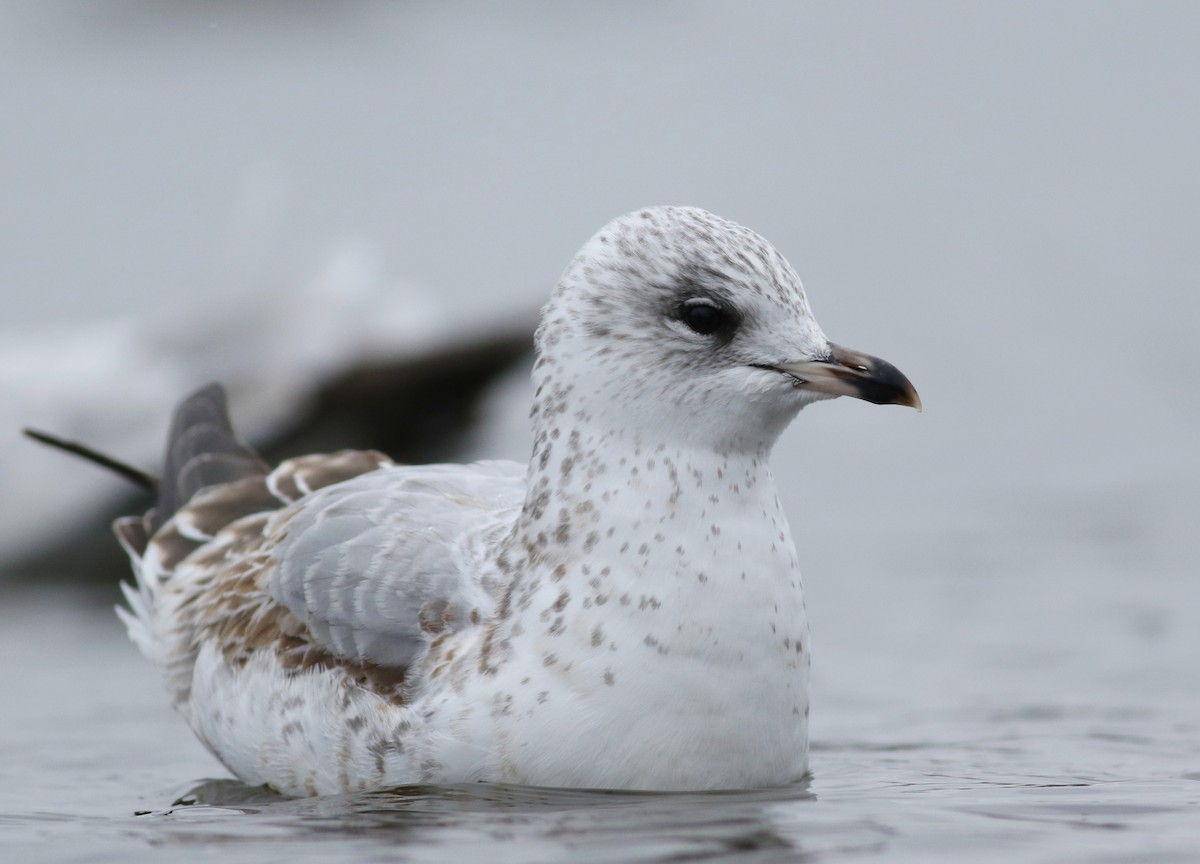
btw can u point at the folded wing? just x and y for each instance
(377, 566)
(338, 560)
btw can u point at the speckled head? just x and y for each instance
(678, 326)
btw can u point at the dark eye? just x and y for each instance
(704, 316)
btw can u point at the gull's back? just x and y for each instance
(266, 597)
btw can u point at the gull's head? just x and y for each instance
(677, 326)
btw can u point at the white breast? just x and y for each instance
(671, 653)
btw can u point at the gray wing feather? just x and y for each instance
(376, 565)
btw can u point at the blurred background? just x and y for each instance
(1003, 199)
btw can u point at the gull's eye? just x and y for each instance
(704, 316)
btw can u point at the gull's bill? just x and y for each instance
(852, 373)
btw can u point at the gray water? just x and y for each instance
(1002, 199)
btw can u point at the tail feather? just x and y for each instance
(202, 450)
(136, 617)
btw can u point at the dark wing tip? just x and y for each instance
(202, 450)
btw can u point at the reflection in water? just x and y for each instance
(593, 825)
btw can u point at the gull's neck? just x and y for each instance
(609, 513)
(590, 478)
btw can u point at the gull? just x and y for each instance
(623, 612)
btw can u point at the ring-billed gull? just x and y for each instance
(625, 611)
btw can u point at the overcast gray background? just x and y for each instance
(1002, 199)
